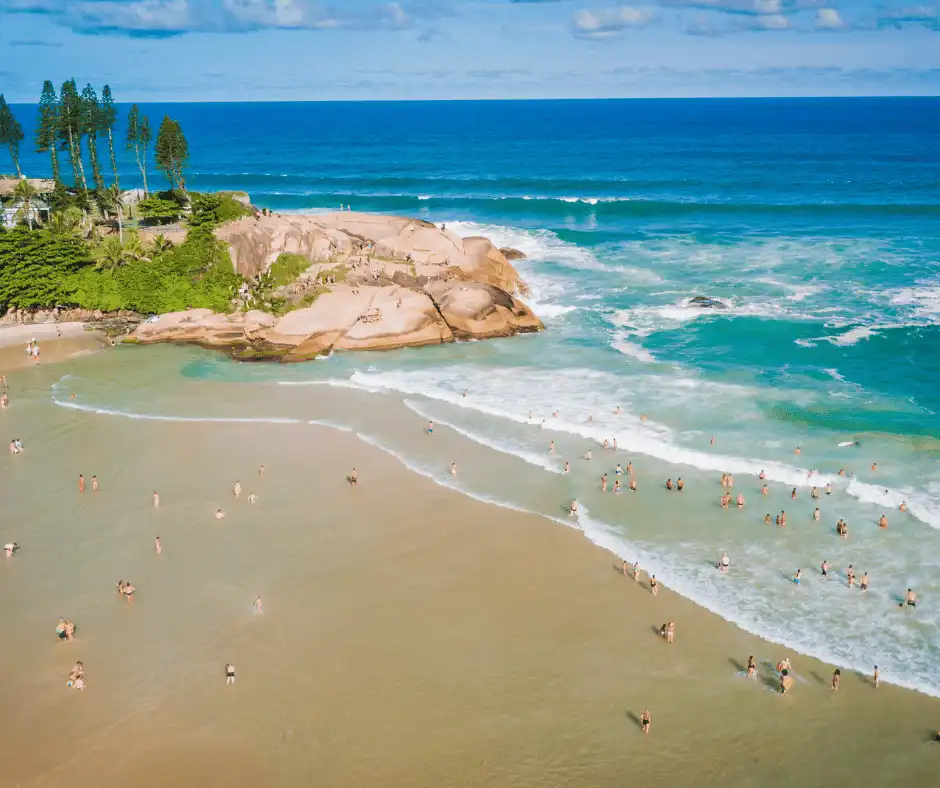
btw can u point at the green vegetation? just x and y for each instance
(156, 210)
(172, 152)
(63, 261)
(54, 266)
(287, 268)
(138, 139)
(11, 133)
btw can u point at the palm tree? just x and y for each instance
(65, 224)
(109, 201)
(24, 191)
(159, 244)
(134, 250)
(110, 254)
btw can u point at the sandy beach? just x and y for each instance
(411, 635)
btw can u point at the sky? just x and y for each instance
(295, 50)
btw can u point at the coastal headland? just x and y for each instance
(352, 281)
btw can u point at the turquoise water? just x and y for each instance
(816, 221)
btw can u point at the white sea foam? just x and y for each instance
(623, 345)
(853, 336)
(503, 446)
(653, 440)
(921, 505)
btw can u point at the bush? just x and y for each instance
(156, 210)
(215, 209)
(287, 268)
(36, 267)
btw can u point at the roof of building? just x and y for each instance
(7, 185)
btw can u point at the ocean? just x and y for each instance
(816, 221)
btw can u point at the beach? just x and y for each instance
(412, 634)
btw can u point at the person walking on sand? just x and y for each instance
(623, 568)
(636, 571)
(671, 632)
(875, 677)
(237, 489)
(158, 546)
(81, 483)
(258, 609)
(645, 721)
(453, 469)
(229, 673)
(836, 679)
(353, 478)
(654, 585)
(156, 500)
(94, 483)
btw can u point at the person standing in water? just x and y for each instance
(81, 483)
(797, 576)
(94, 483)
(156, 500)
(910, 599)
(751, 667)
(876, 676)
(573, 508)
(680, 485)
(353, 478)
(551, 447)
(883, 522)
(604, 483)
(824, 568)
(430, 428)
(453, 469)
(725, 563)
(863, 585)
(258, 609)
(237, 489)
(816, 514)
(567, 467)
(158, 546)
(645, 721)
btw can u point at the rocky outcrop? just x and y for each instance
(704, 302)
(398, 283)
(512, 254)
(112, 323)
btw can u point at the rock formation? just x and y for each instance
(398, 283)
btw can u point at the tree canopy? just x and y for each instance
(11, 133)
(172, 152)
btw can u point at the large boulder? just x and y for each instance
(476, 310)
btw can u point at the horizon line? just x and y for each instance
(855, 97)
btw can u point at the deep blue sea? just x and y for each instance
(817, 221)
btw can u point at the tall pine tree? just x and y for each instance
(172, 152)
(11, 133)
(69, 130)
(107, 117)
(90, 122)
(138, 140)
(47, 128)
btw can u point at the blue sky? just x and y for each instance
(230, 50)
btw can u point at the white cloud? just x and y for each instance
(828, 19)
(608, 22)
(770, 22)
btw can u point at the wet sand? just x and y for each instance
(411, 637)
